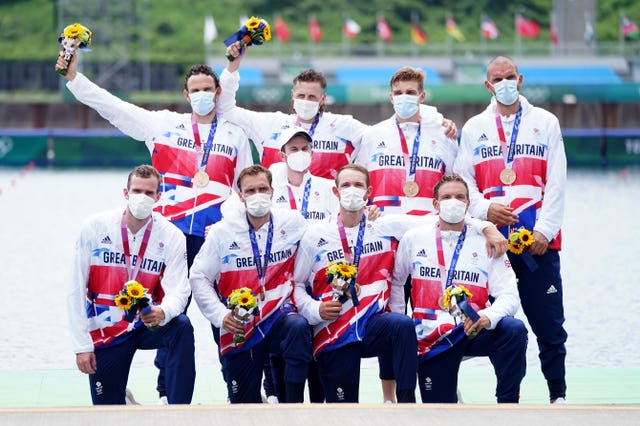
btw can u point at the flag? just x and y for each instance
(526, 27)
(589, 33)
(350, 28)
(628, 28)
(553, 31)
(315, 32)
(452, 29)
(281, 30)
(383, 29)
(418, 35)
(488, 28)
(210, 30)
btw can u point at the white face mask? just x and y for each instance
(140, 205)
(258, 205)
(406, 106)
(202, 103)
(305, 109)
(299, 161)
(452, 210)
(506, 91)
(352, 198)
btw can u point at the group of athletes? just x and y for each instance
(413, 213)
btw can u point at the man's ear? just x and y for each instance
(185, 93)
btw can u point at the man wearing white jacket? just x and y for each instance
(118, 247)
(450, 254)
(512, 156)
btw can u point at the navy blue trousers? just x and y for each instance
(290, 338)
(109, 382)
(506, 347)
(193, 247)
(541, 297)
(388, 334)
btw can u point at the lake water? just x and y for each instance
(41, 212)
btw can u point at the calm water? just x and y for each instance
(41, 213)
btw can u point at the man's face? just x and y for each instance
(139, 185)
(498, 71)
(309, 91)
(450, 190)
(407, 88)
(352, 178)
(201, 83)
(296, 144)
(254, 184)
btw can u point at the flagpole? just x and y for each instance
(414, 46)
(518, 38)
(483, 39)
(551, 28)
(621, 34)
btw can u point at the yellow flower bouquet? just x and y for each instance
(254, 32)
(133, 298)
(519, 239)
(74, 36)
(341, 276)
(244, 304)
(455, 300)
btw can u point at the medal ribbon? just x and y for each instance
(314, 124)
(411, 176)
(353, 258)
(208, 145)
(132, 273)
(510, 151)
(305, 198)
(454, 257)
(261, 267)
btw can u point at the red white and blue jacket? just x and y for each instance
(99, 273)
(170, 140)
(417, 257)
(537, 195)
(226, 262)
(381, 153)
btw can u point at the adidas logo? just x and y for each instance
(106, 240)
(234, 246)
(181, 127)
(322, 242)
(381, 145)
(421, 253)
(483, 138)
(552, 289)
(281, 199)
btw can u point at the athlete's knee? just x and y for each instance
(515, 331)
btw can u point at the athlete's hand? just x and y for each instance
(450, 131)
(86, 362)
(501, 215)
(232, 325)
(373, 212)
(330, 310)
(475, 327)
(71, 67)
(496, 242)
(540, 244)
(235, 51)
(153, 318)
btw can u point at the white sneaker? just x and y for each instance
(272, 399)
(459, 395)
(388, 401)
(128, 397)
(163, 401)
(559, 401)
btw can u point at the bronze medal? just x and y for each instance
(411, 189)
(507, 176)
(201, 179)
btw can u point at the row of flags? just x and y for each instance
(525, 28)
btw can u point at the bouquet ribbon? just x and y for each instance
(529, 261)
(465, 307)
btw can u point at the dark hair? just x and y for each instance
(446, 179)
(357, 168)
(201, 69)
(254, 170)
(311, 76)
(144, 171)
